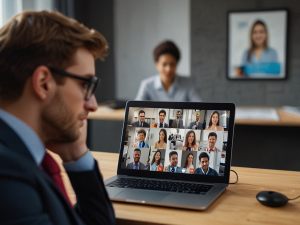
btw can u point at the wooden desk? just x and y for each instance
(106, 113)
(285, 118)
(237, 205)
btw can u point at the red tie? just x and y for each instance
(52, 169)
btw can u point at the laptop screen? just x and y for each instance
(191, 141)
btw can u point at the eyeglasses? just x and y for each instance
(91, 82)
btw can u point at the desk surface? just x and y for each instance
(237, 205)
(285, 118)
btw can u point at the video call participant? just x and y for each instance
(196, 125)
(178, 122)
(173, 168)
(190, 141)
(260, 59)
(204, 168)
(136, 164)
(188, 165)
(167, 85)
(47, 86)
(176, 142)
(162, 141)
(141, 143)
(161, 123)
(156, 164)
(214, 152)
(141, 120)
(214, 122)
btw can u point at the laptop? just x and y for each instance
(174, 154)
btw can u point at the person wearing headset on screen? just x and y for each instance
(167, 86)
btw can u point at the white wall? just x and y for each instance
(139, 26)
(9, 8)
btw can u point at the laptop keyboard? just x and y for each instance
(158, 185)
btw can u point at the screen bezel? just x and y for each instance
(181, 176)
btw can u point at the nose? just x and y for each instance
(92, 104)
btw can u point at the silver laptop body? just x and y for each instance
(189, 168)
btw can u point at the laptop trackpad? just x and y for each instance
(141, 196)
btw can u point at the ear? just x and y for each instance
(42, 83)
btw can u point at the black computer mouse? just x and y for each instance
(271, 198)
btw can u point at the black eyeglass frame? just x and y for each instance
(92, 81)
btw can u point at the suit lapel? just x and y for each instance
(54, 201)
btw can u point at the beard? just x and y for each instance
(59, 123)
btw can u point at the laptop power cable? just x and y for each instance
(237, 180)
(237, 177)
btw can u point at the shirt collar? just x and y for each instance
(204, 172)
(158, 84)
(26, 134)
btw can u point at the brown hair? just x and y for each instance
(210, 119)
(153, 158)
(186, 160)
(186, 143)
(165, 133)
(253, 46)
(31, 39)
(166, 47)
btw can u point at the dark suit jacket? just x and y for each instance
(142, 166)
(137, 124)
(165, 125)
(211, 172)
(174, 124)
(178, 169)
(193, 125)
(28, 195)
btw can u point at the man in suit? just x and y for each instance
(161, 123)
(136, 164)
(204, 168)
(196, 125)
(141, 143)
(213, 152)
(141, 121)
(47, 86)
(173, 168)
(178, 122)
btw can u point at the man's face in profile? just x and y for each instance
(142, 117)
(136, 156)
(162, 117)
(66, 114)
(204, 163)
(212, 141)
(173, 160)
(178, 115)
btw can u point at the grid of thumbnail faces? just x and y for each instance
(190, 141)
